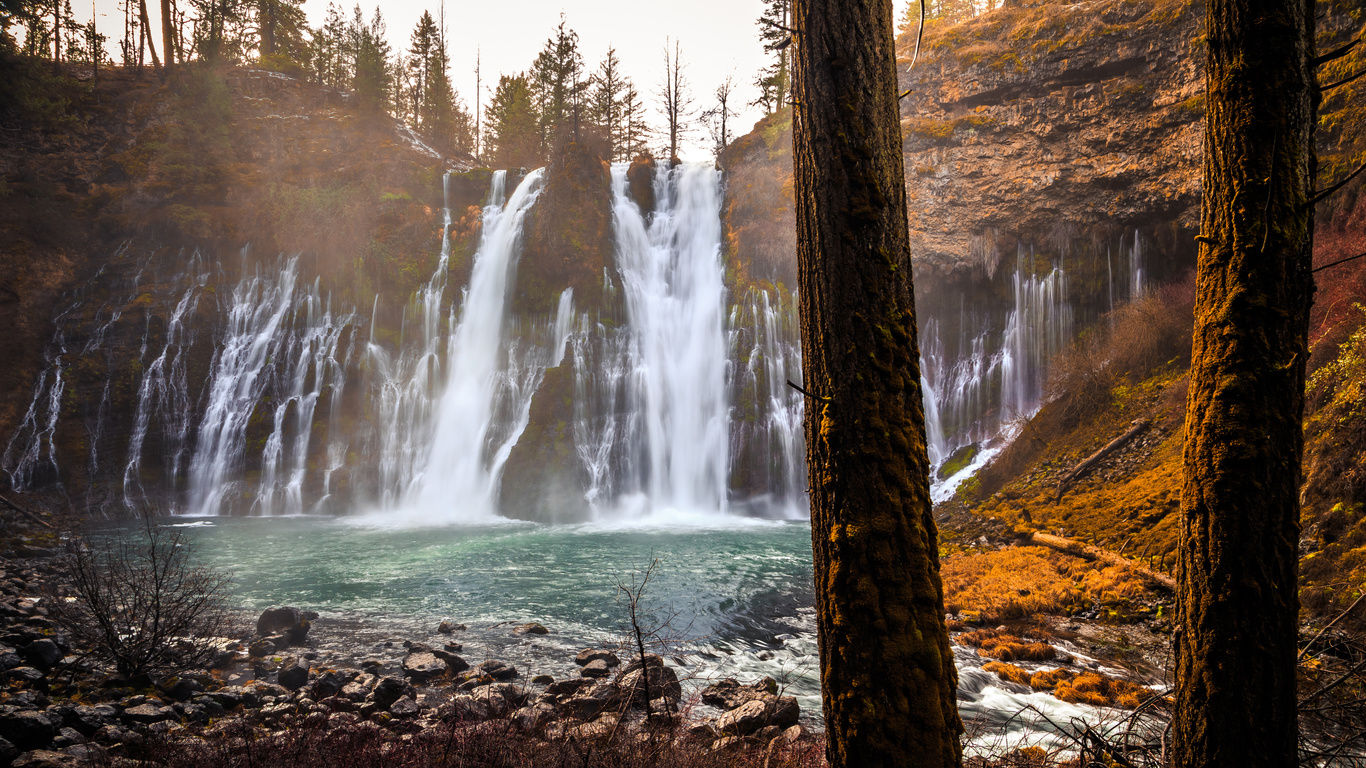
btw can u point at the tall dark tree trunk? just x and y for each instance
(146, 36)
(167, 32)
(887, 672)
(1236, 578)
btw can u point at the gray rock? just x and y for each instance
(593, 701)
(43, 654)
(589, 655)
(780, 711)
(595, 668)
(567, 687)
(534, 716)
(423, 666)
(27, 676)
(447, 627)
(498, 670)
(28, 728)
(147, 714)
(729, 693)
(453, 663)
(465, 708)
(9, 660)
(293, 622)
(355, 691)
(67, 737)
(390, 690)
(228, 697)
(542, 680)
(293, 675)
(263, 647)
(7, 752)
(181, 688)
(662, 681)
(530, 628)
(405, 708)
(46, 758)
(90, 718)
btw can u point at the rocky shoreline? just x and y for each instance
(59, 708)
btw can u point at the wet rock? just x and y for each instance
(356, 691)
(28, 729)
(748, 718)
(500, 697)
(293, 675)
(448, 627)
(531, 717)
(589, 655)
(729, 693)
(530, 628)
(596, 668)
(542, 680)
(329, 684)
(9, 659)
(228, 697)
(43, 654)
(27, 676)
(593, 701)
(390, 690)
(292, 622)
(423, 666)
(465, 708)
(261, 648)
(181, 688)
(498, 670)
(148, 713)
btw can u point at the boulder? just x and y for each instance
(501, 697)
(589, 655)
(465, 708)
(7, 752)
(406, 708)
(640, 177)
(447, 627)
(595, 668)
(729, 693)
(261, 648)
(28, 728)
(88, 719)
(423, 666)
(567, 687)
(43, 654)
(662, 681)
(498, 670)
(148, 713)
(530, 628)
(780, 711)
(534, 716)
(390, 690)
(542, 680)
(293, 622)
(453, 663)
(181, 688)
(27, 676)
(46, 758)
(590, 702)
(294, 675)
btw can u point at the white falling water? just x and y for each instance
(280, 352)
(481, 407)
(672, 281)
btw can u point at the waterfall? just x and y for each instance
(444, 447)
(280, 353)
(672, 282)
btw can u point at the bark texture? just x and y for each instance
(887, 670)
(1237, 602)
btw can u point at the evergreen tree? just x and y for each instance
(887, 675)
(774, 80)
(635, 131)
(557, 84)
(513, 125)
(422, 51)
(371, 78)
(280, 28)
(605, 100)
(328, 50)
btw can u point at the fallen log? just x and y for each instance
(25, 513)
(1091, 461)
(1090, 552)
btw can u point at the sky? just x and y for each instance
(717, 38)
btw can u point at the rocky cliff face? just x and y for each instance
(1051, 124)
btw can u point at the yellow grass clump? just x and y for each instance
(1085, 688)
(1018, 582)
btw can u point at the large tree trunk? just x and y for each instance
(167, 33)
(1236, 578)
(887, 672)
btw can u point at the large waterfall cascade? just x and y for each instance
(679, 406)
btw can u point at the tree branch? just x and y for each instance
(1325, 193)
(1343, 81)
(1339, 261)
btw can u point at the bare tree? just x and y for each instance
(140, 602)
(677, 102)
(717, 116)
(649, 628)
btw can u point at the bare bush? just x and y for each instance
(140, 603)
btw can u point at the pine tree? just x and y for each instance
(636, 134)
(280, 28)
(887, 675)
(513, 125)
(557, 84)
(605, 101)
(775, 80)
(421, 53)
(371, 79)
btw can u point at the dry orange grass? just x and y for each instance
(993, 645)
(1085, 688)
(1018, 582)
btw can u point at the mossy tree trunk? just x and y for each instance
(887, 672)
(1236, 578)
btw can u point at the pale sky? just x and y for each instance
(717, 38)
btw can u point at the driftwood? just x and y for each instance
(1090, 552)
(25, 513)
(1091, 461)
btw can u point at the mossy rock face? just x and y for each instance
(640, 179)
(958, 460)
(568, 234)
(542, 480)
(758, 214)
